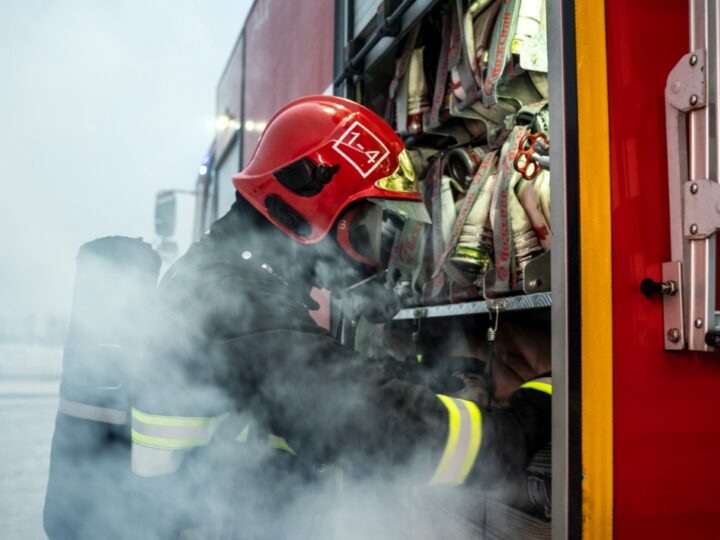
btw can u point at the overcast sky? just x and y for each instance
(102, 103)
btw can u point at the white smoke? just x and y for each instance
(102, 104)
(368, 486)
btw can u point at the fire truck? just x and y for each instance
(619, 101)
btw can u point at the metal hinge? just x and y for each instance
(689, 279)
(701, 204)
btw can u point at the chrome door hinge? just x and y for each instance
(689, 309)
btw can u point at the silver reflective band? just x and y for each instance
(463, 442)
(150, 462)
(92, 412)
(173, 432)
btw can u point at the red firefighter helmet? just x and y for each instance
(319, 154)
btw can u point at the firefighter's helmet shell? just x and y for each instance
(317, 155)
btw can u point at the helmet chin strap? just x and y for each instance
(324, 264)
(328, 265)
(371, 299)
(335, 270)
(365, 281)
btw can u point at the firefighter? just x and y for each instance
(245, 401)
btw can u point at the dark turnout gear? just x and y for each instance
(239, 364)
(89, 485)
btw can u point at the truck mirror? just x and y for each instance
(165, 214)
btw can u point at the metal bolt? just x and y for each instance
(698, 323)
(693, 59)
(535, 283)
(247, 255)
(673, 335)
(693, 229)
(694, 189)
(693, 100)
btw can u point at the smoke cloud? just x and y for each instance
(348, 469)
(102, 104)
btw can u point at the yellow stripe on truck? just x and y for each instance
(595, 270)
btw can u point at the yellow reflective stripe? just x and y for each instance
(463, 442)
(166, 443)
(243, 437)
(475, 438)
(273, 441)
(173, 432)
(537, 385)
(453, 434)
(280, 444)
(184, 421)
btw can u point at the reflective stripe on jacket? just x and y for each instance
(92, 412)
(464, 437)
(159, 442)
(463, 441)
(543, 384)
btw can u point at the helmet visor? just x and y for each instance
(405, 209)
(403, 180)
(359, 233)
(364, 230)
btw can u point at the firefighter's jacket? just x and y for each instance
(245, 398)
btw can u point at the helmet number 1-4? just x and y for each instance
(361, 148)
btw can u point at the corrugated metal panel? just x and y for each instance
(229, 91)
(224, 172)
(284, 60)
(363, 12)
